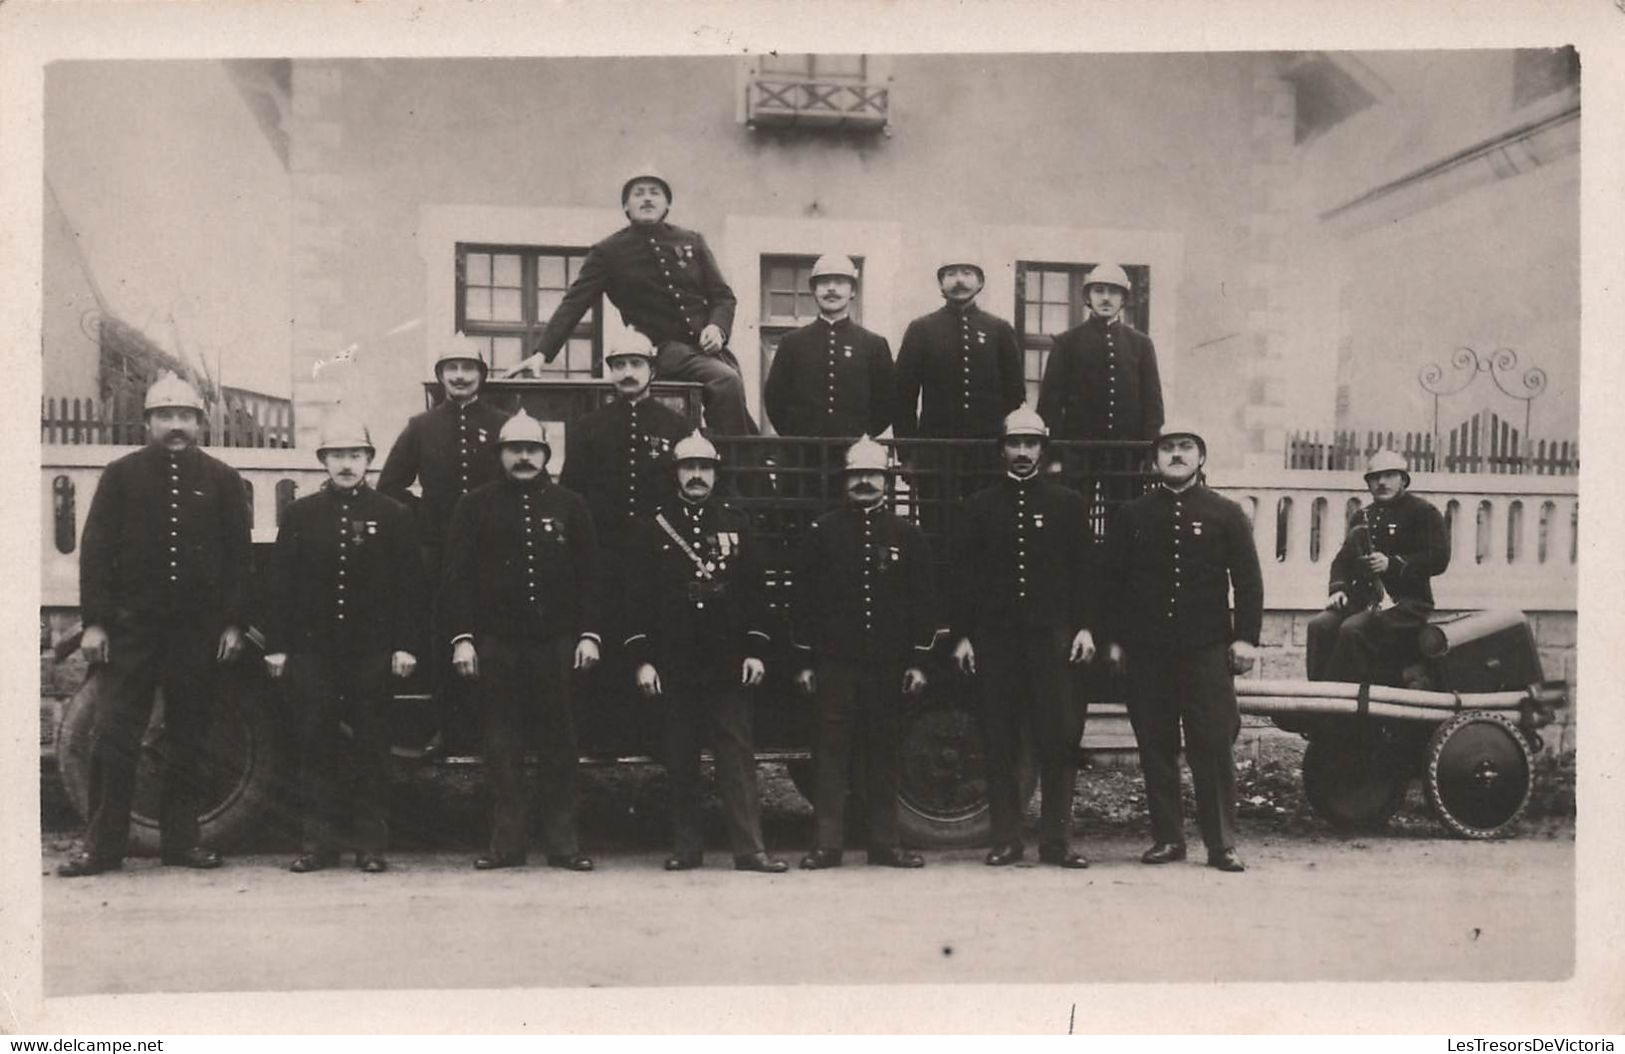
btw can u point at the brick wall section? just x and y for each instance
(315, 135)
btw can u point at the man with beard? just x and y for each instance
(521, 603)
(1381, 589)
(864, 620)
(666, 284)
(698, 634)
(1024, 604)
(1173, 557)
(958, 368)
(831, 377)
(345, 604)
(163, 577)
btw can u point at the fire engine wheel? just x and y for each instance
(243, 759)
(1479, 774)
(1355, 779)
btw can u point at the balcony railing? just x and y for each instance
(778, 101)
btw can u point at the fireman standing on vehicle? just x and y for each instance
(163, 576)
(864, 617)
(666, 284)
(344, 615)
(1381, 590)
(521, 591)
(1023, 606)
(959, 368)
(1101, 381)
(1173, 557)
(831, 377)
(697, 637)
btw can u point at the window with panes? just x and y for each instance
(788, 303)
(506, 294)
(1050, 301)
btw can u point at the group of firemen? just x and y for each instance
(506, 585)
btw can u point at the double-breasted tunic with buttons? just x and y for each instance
(1172, 561)
(1365, 645)
(959, 372)
(449, 450)
(1023, 588)
(521, 581)
(831, 379)
(1101, 382)
(863, 609)
(164, 565)
(696, 610)
(346, 593)
(619, 458)
(662, 278)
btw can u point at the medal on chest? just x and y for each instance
(1196, 528)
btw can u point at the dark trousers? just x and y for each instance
(859, 705)
(323, 691)
(725, 411)
(1029, 688)
(525, 695)
(145, 653)
(720, 714)
(1191, 688)
(1364, 647)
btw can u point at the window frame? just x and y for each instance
(529, 325)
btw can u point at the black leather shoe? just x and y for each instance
(371, 863)
(313, 862)
(196, 857)
(1163, 853)
(1063, 856)
(570, 861)
(1000, 855)
(492, 861)
(682, 862)
(80, 865)
(898, 857)
(767, 865)
(1226, 860)
(819, 859)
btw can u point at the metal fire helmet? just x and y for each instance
(833, 265)
(523, 428)
(170, 391)
(695, 447)
(1180, 428)
(1024, 421)
(866, 455)
(645, 172)
(1109, 274)
(342, 431)
(630, 342)
(460, 353)
(962, 261)
(1388, 461)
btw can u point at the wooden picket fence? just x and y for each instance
(248, 419)
(1482, 443)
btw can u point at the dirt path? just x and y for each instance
(1404, 908)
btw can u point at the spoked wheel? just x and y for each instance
(943, 780)
(1355, 777)
(1479, 774)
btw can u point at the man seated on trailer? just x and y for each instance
(1381, 590)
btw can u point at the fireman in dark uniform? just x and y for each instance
(864, 617)
(619, 455)
(1381, 589)
(666, 284)
(1023, 607)
(448, 451)
(346, 600)
(1101, 382)
(1173, 557)
(520, 593)
(831, 377)
(958, 368)
(698, 633)
(163, 573)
